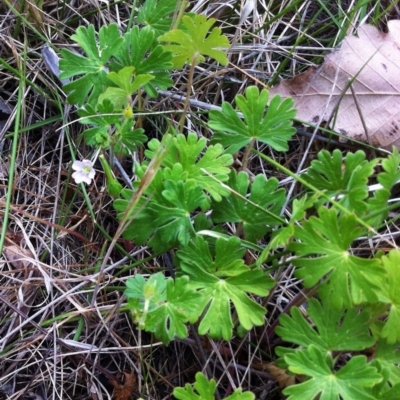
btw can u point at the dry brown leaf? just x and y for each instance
(373, 59)
(17, 256)
(125, 389)
(281, 376)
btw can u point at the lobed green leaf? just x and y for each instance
(348, 383)
(333, 330)
(222, 279)
(259, 213)
(195, 42)
(207, 169)
(347, 279)
(272, 125)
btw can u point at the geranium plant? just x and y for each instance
(186, 192)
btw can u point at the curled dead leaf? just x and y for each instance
(124, 385)
(281, 376)
(358, 83)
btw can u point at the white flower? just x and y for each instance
(84, 171)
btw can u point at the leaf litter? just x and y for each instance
(357, 88)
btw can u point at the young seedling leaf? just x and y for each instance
(238, 394)
(102, 118)
(127, 83)
(103, 115)
(126, 138)
(203, 389)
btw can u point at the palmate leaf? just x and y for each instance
(196, 42)
(387, 361)
(222, 279)
(378, 205)
(141, 52)
(162, 305)
(156, 14)
(127, 84)
(146, 293)
(334, 330)
(272, 126)
(344, 179)
(391, 295)
(348, 383)
(205, 168)
(103, 114)
(283, 235)
(172, 218)
(391, 393)
(264, 193)
(142, 227)
(203, 389)
(92, 66)
(347, 279)
(165, 220)
(87, 88)
(391, 171)
(101, 119)
(129, 138)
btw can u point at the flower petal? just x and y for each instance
(79, 177)
(87, 163)
(77, 165)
